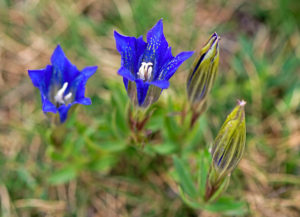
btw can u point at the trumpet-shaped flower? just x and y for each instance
(61, 84)
(146, 67)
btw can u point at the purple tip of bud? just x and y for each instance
(242, 102)
(215, 35)
(215, 38)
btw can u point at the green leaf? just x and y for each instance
(203, 160)
(185, 178)
(25, 176)
(195, 135)
(221, 189)
(227, 205)
(63, 175)
(104, 163)
(165, 149)
(171, 128)
(112, 146)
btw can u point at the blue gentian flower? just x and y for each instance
(61, 84)
(147, 67)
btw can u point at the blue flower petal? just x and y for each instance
(140, 46)
(58, 58)
(125, 81)
(89, 71)
(168, 55)
(170, 68)
(126, 73)
(166, 58)
(141, 89)
(130, 49)
(47, 105)
(156, 47)
(63, 112)
(64, 109)
(85, 101)
(160, 83)
(77, 86)
(64, 70)
(41, 78)
(54, 76)
(80, 89)
(134, 51)
(37, 76)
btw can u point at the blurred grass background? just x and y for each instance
(98, 174)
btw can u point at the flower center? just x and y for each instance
(145, 71)
(60, 98)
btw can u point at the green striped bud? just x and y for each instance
(229, 144)
(227, 149)
(203, 72)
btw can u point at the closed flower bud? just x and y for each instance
(229, 145)
(203, 72)
(227, 149)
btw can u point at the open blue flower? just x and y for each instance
(147, 67)
(61, 84)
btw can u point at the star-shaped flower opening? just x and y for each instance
(61, 84)
(146, 67)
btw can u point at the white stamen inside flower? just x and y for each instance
(59, 97)
(145, 71)
(68, 96)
